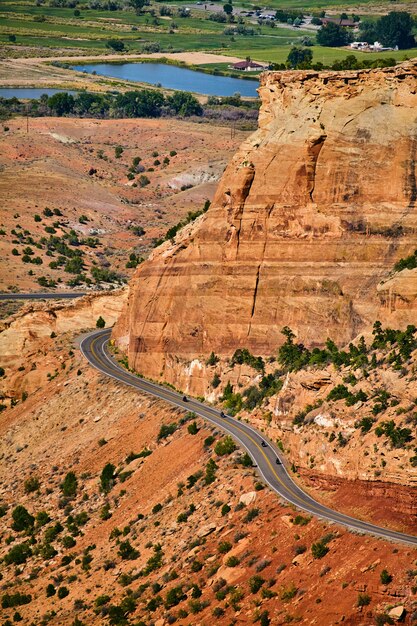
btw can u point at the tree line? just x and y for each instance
(140, 103)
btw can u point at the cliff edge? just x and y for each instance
(310, 216)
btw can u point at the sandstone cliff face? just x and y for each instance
(310, 215)
(28, 351)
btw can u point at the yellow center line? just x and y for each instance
(311, 506)
(128, 378)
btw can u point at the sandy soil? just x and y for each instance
(51, 166)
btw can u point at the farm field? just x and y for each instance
(27, 29)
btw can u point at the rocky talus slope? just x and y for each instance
(307, 222)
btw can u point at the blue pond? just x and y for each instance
(28, 93)
(173, 77)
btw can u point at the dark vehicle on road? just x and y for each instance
(278, 462)
(222, 414)
(263, 444)
(184, 399)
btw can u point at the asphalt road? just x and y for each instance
(95, 349)
(65, 295)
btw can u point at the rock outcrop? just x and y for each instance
(310, 216)
(27, 338)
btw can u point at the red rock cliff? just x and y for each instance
(310, 216)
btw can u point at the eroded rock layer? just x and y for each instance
(310, 216)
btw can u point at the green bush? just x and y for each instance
(300, 520)
(63, 592)
(32, 484)
(243, 356)
(250, 515)
(42, 518)
(174, 597)
(319, 550)
(69, 485)
(192, 428)
(246, 460)
(225, 446)
(100, 323)
(166, 430)
(397, 436)
(107, 477)
(210, 475)
(255, 583)
(127, 551)
(212, 360)
(224, 547)
(50, 590)
(385, 577)
(18, 555)
(225, 509)
(22, 519)
(9, 601)
(363, 599)
(408, 263)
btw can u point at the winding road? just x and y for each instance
(94, 347)
(64, 295)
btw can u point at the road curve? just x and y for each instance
(94, 347)
(65, 295)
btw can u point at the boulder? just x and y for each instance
(248, 498)
(206, 530)
(397, 613)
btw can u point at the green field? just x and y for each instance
(43, 27)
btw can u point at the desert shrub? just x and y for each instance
(174, 596)
(212, 360)
(225, 446)
(365, 424)
(363, 599)
(250, 515)
(243, 356)
(63, 592)
(18, 554)
(385, 577)
(107, 477)
(300, 520)
(255, 583)
(100, 323)
(32, 484)
(127, 551)
(69, 485)
(166, 430)
(193, 428)
(9, 601)
(22, 519)
(50, 590)
(52, 532)
(287, 593)
(42, 518)
(225, 509)
(409, 263)
(68, 542)
(319, 550)
(224, 547)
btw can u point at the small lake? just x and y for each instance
(173, 77)
(29, 93)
